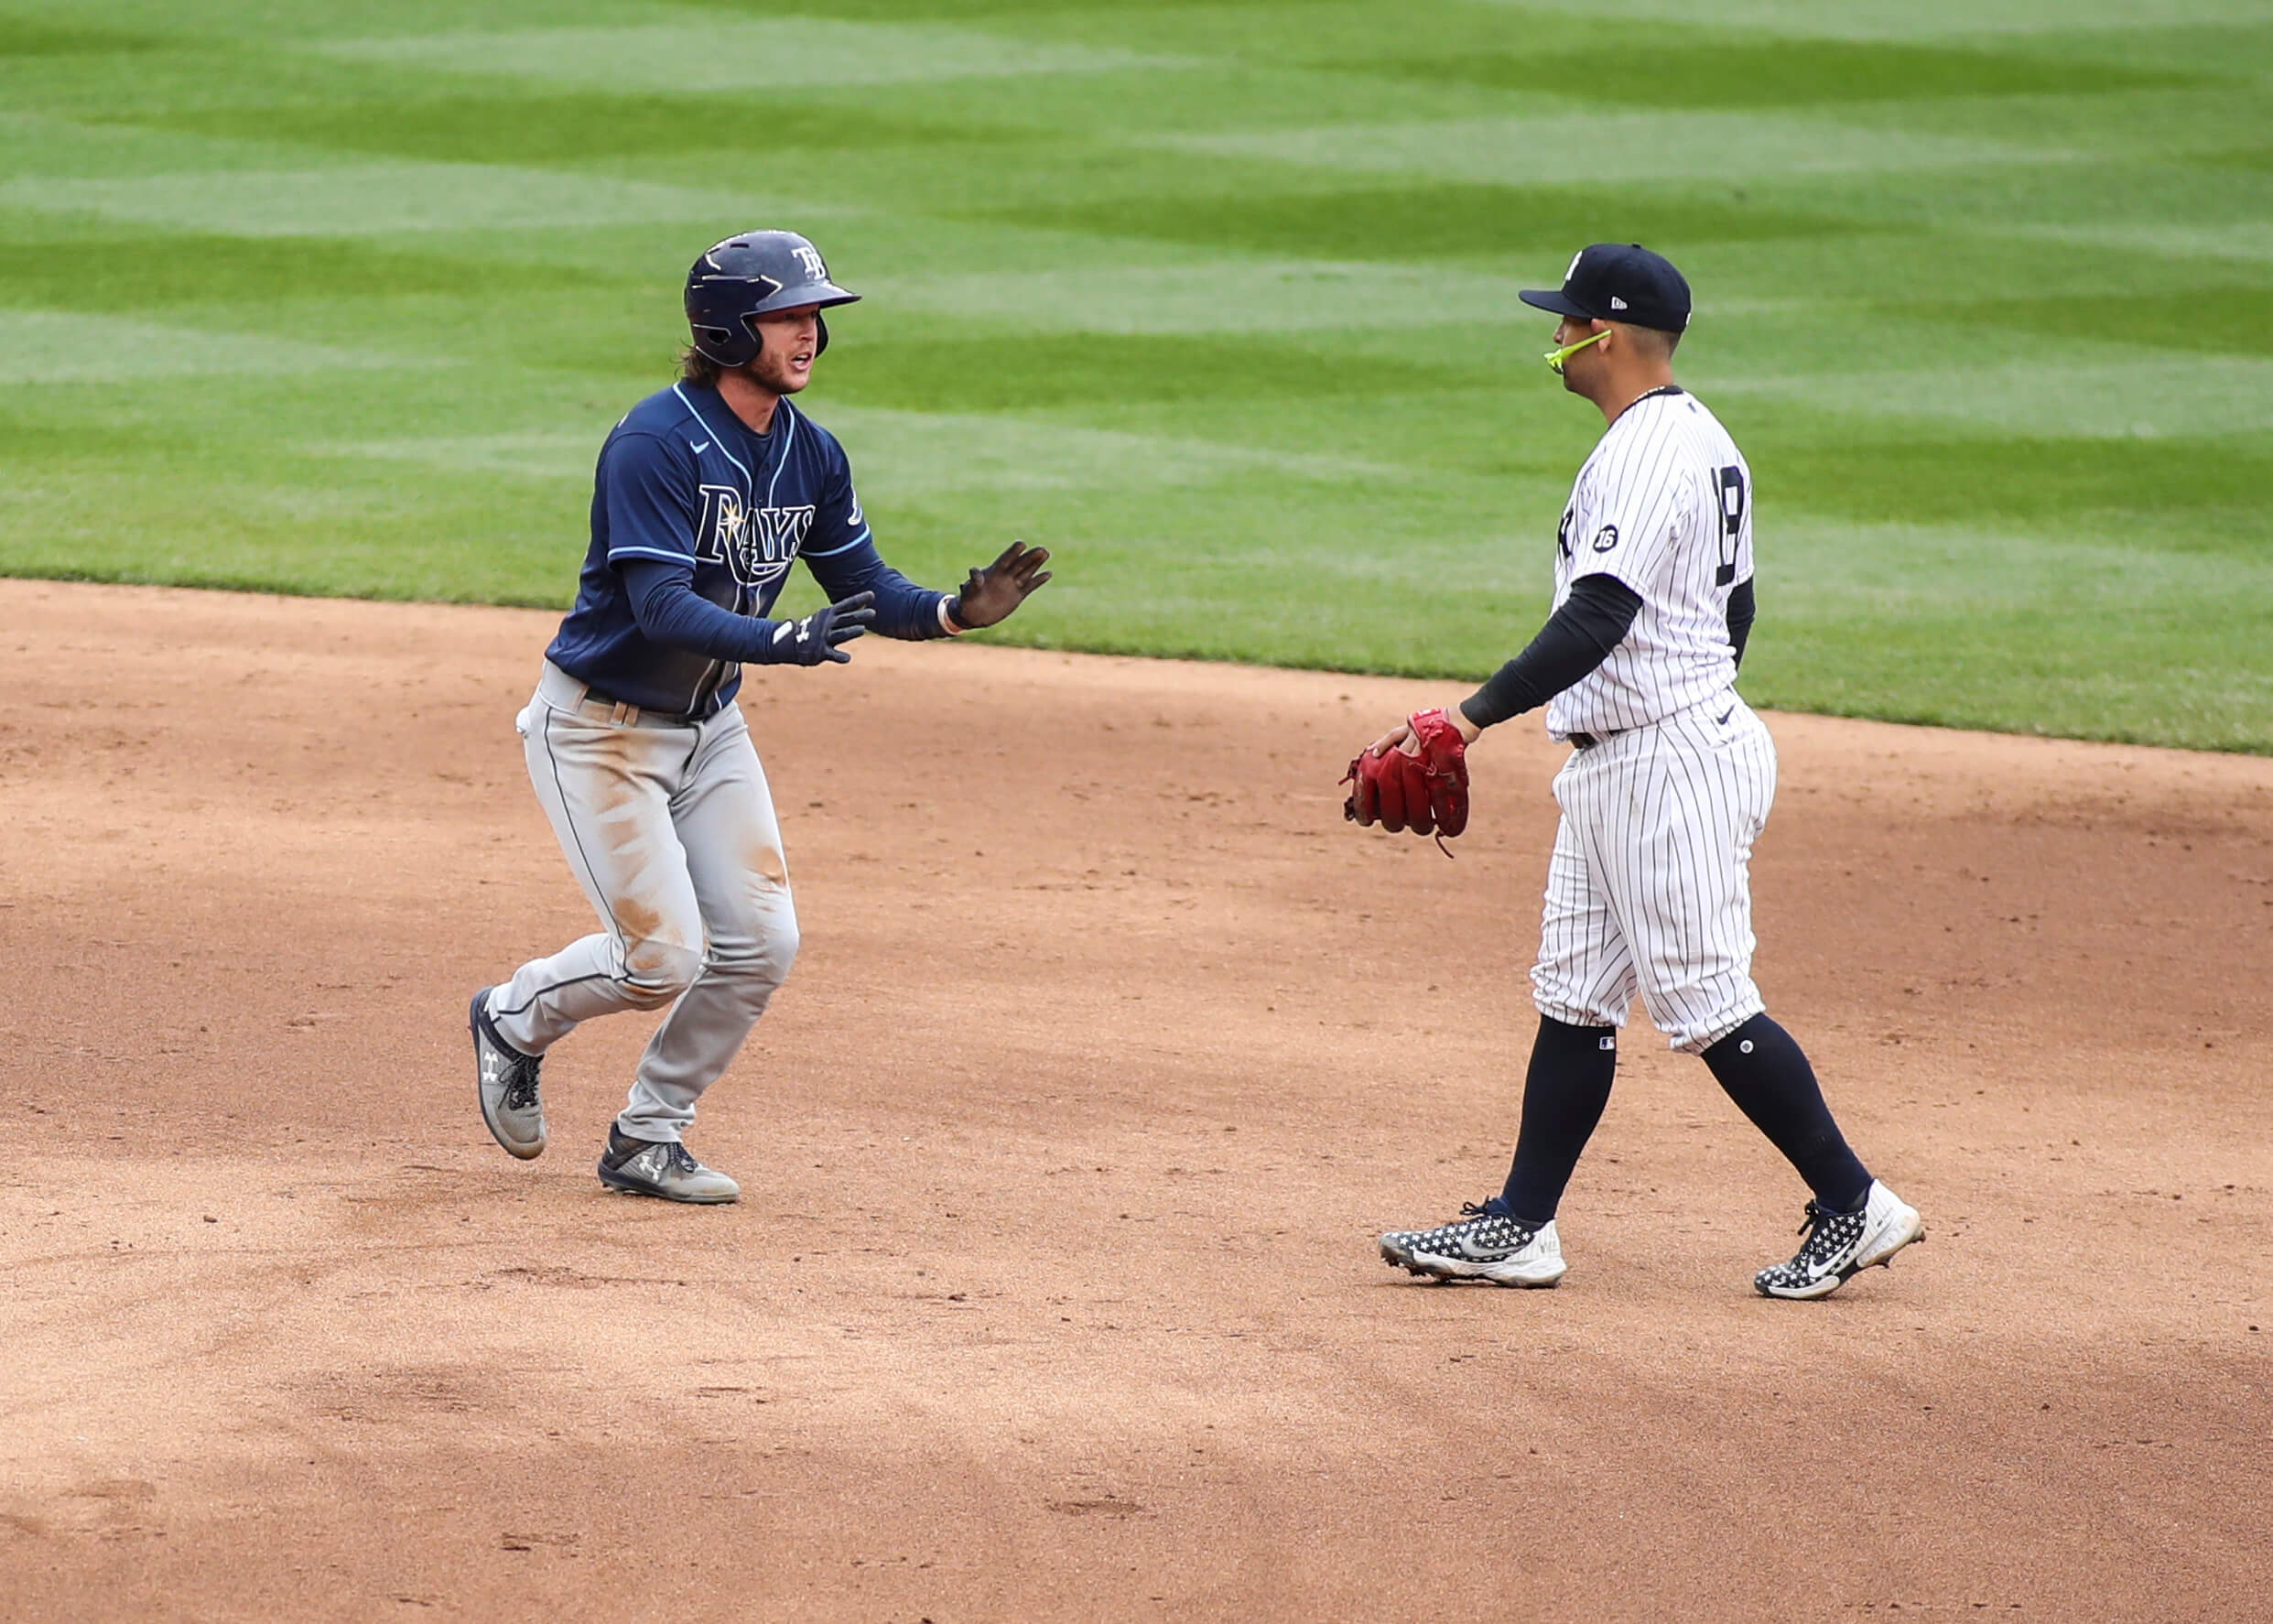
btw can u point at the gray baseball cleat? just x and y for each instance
(508, 1080)
(1486, 1242)
(1840, 1245)
(652, 1167)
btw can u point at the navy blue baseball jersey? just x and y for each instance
(682, 482)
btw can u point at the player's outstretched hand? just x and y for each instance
(990, 594)
(816, 638)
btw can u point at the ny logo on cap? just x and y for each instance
(1573, 269)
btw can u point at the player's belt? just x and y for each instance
(568, 691)
(1588, 740)
(647, 714)
(601, 696)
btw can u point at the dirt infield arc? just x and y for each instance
(1111, 1046)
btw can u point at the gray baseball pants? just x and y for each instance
(670, 829)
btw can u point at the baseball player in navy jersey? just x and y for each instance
(704, 496)
(1667, 786)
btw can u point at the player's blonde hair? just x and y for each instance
(696, 368)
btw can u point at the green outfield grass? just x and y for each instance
(1219, 301)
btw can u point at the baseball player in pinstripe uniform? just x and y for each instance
(1668, 785)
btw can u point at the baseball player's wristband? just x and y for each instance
(948, 623)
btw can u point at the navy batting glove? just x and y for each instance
(810, 641)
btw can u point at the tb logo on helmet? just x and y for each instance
(755, 275)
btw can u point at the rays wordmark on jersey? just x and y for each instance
(757, 544)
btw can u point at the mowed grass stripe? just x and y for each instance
(29, 36)
(1693, 69)
(1610, 147)
(2141, 397)
(56, 347)
(2173, 494)
(1073, 372)
(736, 54)
(110, 271)
(905, 453)
(1422, 220)
(2001, 22)
(2215, 318)
(355, 200)
(2119, 125)
(2145, 196)
(2249, 240)
(563, 128)
(1221, 298)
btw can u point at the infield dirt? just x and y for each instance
(1054, 1291)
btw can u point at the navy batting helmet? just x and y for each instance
(746, 276)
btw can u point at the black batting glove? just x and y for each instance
(991, 595)
(810, 641)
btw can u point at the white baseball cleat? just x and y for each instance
(1839, 1245)
(1485, 1242)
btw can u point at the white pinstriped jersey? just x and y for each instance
(1664, 504)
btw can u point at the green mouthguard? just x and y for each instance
(1555, 358)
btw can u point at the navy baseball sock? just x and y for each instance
(1564, 1093)
(1764, 1071)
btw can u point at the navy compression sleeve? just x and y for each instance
(670, 611)
(903, 610)
(1576, 638)
(1741, 610)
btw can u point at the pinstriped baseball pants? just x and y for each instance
(1650, 888)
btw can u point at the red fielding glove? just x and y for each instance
(1426, 792)
(1443, 760)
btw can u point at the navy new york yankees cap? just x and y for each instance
(1620, 282)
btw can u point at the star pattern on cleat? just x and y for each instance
(1828, 1251)
(1483, 1234)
